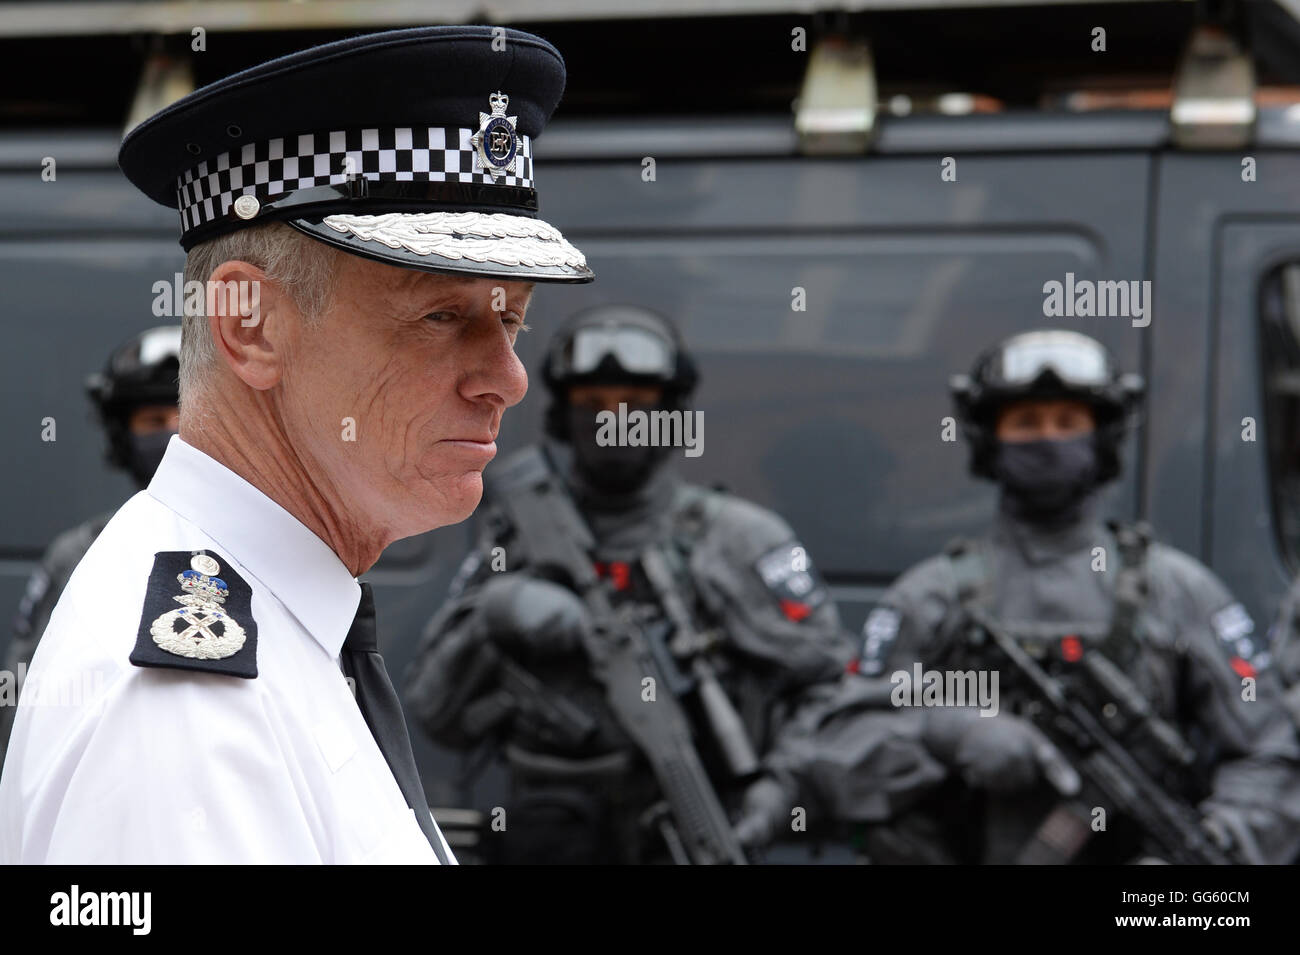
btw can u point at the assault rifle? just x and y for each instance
(1171, 824)
(521, 696)
(529, 495)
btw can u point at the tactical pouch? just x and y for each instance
(561, 810)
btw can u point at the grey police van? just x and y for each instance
(837, 234)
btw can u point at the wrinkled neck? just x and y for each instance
(249, 438)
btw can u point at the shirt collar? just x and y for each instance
(284, 555)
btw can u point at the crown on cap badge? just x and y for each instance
(496, 141)
(203, 630)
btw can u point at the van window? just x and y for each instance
(1279, 342)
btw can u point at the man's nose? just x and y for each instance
(501, 372)
(515, 377)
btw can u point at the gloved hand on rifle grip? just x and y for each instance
(522, 612)
(1001, 753)
(766, 807)
(1232, 830)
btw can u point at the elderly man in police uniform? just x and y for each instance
(378, 192)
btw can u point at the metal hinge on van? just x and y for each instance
(835, 113)
(1214, 93)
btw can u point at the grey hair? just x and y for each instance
(303, 266)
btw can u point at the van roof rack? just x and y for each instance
(169, 17)
(912, 58)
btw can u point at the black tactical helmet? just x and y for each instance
(616, 344)
(1048, 365)
(143, 371)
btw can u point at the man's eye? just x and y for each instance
(440, 316)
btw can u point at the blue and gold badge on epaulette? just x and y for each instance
(212, 630)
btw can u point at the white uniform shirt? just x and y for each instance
(114, 763)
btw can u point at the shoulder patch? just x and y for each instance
(211, 631)
(1236, 633)
(789, 574)
(878, 636)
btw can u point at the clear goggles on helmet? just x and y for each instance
(638, 351)
(1076, 359)
(152, 347)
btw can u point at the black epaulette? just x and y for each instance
(197, 616)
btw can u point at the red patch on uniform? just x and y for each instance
(1071, 649)
(795, 610)
(1242, 668)
(621, 573)
(852, 666)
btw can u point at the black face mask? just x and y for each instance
(146, 453)
(614, 469)
(1046, 481)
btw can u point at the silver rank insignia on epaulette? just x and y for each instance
(203, 600)
(497, 142)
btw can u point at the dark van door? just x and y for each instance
(1243, 304)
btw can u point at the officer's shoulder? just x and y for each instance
(67, 549)
(933, 577)
(724, 511)
(1187, 591)
(197, 615)
(1180, 571)
(90, 630)
(1183, 588)
(151, 591)
(101, 584)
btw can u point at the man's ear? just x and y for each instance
(252, 321)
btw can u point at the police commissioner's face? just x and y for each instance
(394, 398)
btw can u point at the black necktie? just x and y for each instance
(383, 713)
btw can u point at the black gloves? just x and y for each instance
(1001, 753)
(524, 613)
(766, 807)
(1232, 831)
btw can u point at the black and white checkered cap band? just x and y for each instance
(405, 154)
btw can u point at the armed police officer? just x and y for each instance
(135, 399)
(1176, 746)
(530, 658)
